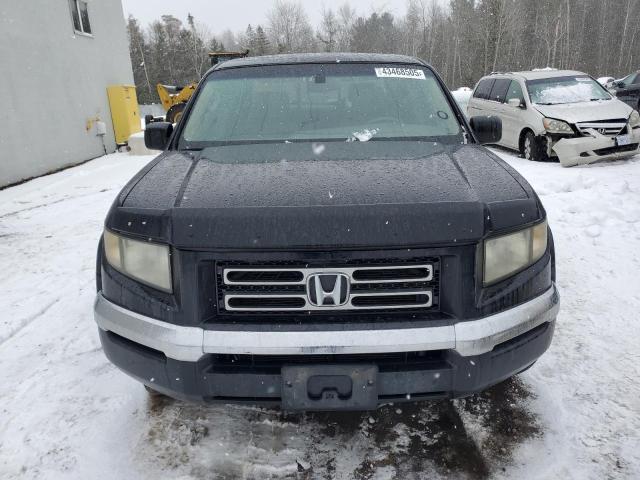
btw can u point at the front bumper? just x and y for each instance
(597, 147)
(458, 359)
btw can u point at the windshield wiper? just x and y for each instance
(546, 103)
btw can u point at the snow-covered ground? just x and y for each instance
(65, 412)
(462, 95)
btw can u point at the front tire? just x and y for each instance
(535, 148)
(175, 113)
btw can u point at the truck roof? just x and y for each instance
(288, 59)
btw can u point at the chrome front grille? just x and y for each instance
(289, 289)
(609, 128)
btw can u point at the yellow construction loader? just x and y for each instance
(174, 99)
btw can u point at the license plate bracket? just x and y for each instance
(622, 140)
(329, 387)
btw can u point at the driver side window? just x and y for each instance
(515, 91)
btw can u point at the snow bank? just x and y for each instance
(462, 96)
(586, 384)
(137, 146)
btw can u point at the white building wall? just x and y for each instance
(53, 84)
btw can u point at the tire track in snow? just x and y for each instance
(22, 324)
(54, 202)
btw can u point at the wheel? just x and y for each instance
(535, 148)
(175, 113)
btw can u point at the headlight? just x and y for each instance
(508, 254)
(634, 119)
(146, 262)
(556, 126)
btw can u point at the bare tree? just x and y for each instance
(623, 40)
(200, 37)
(137, 51)
(328, 31)
(289, 27)
(462, 39)
(346, 15)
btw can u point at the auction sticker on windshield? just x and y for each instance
(398, 72)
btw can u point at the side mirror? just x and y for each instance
(487, 129)
(157, 134)
(515, 102)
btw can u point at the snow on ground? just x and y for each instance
(462, 95)
(67, 413)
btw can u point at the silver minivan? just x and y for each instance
(558, 115)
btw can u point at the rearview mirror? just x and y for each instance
(157, 134)
(515, 102)
(487, 129)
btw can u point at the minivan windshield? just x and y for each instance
(567, 89)
(320, 102)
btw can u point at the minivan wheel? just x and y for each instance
(533, 148)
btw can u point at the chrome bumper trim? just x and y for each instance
(468, 338)
(480, 336)
(180, 343)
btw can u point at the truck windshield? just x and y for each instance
(327, 102)
(569, 89)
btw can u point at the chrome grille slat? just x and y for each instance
(349, 271)
(230, 271)
(609, 128)
(308, 307)
(405, 286)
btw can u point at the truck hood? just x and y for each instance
(375, 194)
(586, 111)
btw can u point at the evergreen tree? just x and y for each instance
(250, 40)
(262, 42)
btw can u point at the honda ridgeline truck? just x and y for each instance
(325, 232)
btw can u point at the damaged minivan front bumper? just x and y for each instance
(594, 147)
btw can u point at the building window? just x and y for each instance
(80, 16)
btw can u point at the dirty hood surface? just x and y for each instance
(375, 194)
(586, 111)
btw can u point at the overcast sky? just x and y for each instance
(235, 15)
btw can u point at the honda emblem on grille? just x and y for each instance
(602, 131)
(328, 289)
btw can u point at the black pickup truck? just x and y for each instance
(325, 232)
